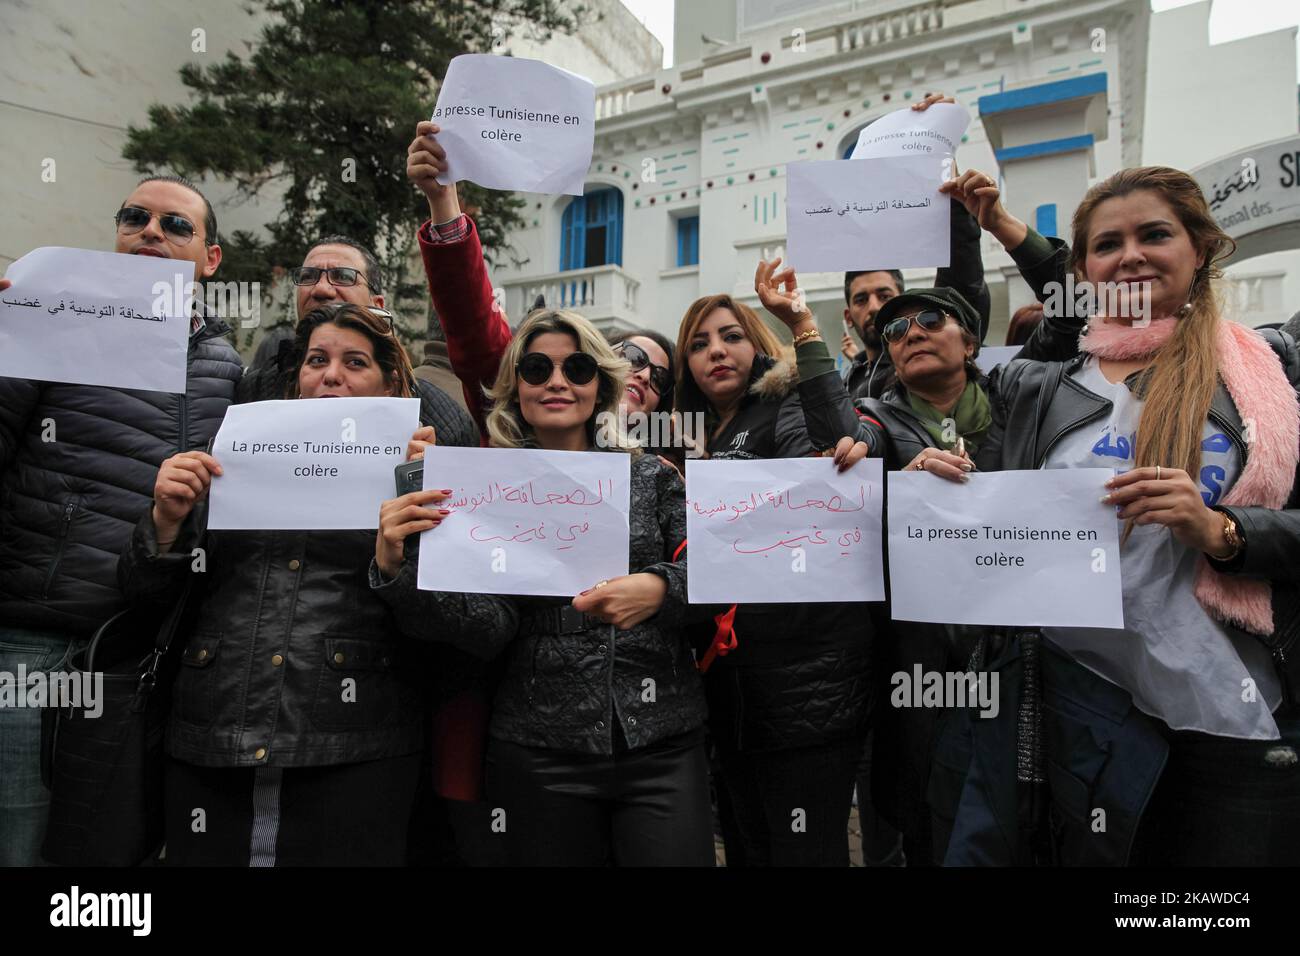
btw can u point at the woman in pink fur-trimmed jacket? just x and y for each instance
(1173, 741)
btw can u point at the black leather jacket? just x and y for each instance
(291, 661)
(569, 679)
(1038, 404)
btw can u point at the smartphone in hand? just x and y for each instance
(409, 477)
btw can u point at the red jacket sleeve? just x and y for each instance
(477, 335)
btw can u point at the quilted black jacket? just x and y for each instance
(566, 691)
(77, 467)
(799, 675)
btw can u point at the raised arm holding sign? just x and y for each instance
(510, 123)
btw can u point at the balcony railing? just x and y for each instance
(604, 294)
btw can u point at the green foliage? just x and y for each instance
(333, 90)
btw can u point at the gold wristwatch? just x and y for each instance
(1232, 535)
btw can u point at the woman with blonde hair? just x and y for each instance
(1181, 728)
(588, 766)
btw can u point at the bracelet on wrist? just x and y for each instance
(806, 336)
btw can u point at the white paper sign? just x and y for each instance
(992, 356)
(97, 318)
(510, 123)
(1019, 548)
(788, 530)
(935, 131)
(310, 464)
(845, 214)
(526, 522)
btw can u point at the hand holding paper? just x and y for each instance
(511, 123)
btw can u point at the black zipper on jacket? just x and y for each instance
(69, 509)
(184, 418)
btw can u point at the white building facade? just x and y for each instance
(687, 186)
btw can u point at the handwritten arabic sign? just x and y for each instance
(309, 464)
(907, 132)
(866, 214)
(511, 123)
(1019, 548)
(790, 531)
(96, 318)
(525, 521)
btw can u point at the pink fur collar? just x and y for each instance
(1266, 402)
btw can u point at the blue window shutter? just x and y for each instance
(1045, 219)
(613, 202)
(573, 235)
(688, 241)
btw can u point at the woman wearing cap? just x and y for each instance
(1184, 725)
(933, 418)
(596, 750)
(295, 728)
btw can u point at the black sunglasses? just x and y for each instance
(536, 368)
(660, 378)
(341, 276)
(896, 329)
(132, 219)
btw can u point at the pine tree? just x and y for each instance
(324, 107)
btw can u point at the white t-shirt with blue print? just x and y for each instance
(1179, 663)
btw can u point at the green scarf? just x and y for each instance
(971, 414)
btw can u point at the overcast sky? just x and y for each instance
(1230, 19)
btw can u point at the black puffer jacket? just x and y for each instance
(77, 467)
(799, 673)
(282, 619)
(565, 691)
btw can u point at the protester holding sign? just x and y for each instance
(788, 683)
(297, 721)
(77, 465)
(473, 318)
(596, 747)
(1199, 416)
(939, 398)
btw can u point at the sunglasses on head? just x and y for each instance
(660, 378)
(382, 319)
(896, 329)
(536, 368)
(341, 276)
(133, 219)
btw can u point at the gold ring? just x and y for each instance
(1157, 472)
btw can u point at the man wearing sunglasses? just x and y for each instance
(77, 469)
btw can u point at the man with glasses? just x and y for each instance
(340, 269)
(77, 469)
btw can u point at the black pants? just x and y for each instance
(792, 806)
(1224, 802)
(346, 815)
(644, 807)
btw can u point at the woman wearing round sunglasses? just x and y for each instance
(586, 764)
(296, 720)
